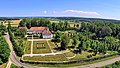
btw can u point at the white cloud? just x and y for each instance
(54, 12)
(45, 12)
(81, 12)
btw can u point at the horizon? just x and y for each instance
(57, 16)
(45, 8)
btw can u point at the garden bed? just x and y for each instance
(59, 57)
(40, 47)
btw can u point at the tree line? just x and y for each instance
(18, 48)
(4, 50)
(31, 22)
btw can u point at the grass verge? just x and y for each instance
(72, 65)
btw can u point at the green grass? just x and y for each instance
(52, 44)
(72, 65)
(40, 50)
(69, 54)
(81, 56)
(28, 47)
(54, 21)
(59, 57)
(112, 52)
(14, 66)
(3, 65)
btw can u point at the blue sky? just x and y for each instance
(76, 8)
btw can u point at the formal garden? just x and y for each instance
(79, 42)
(41, 47)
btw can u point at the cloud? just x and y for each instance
(54, 12)
(81, 12)
(45, 12)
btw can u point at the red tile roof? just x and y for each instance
(46, 31)
(37, 28)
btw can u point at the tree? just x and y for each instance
(65, 25)
(3, 29)
(74, 42)
(75, 38)
(64, 42)
(4, 50)
(118, 36)
(106, 31)
(9, 26)
(58, 36)
(21, 32)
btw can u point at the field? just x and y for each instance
(59, 57)
(40, 47)
(71, 23)
(14, 23)
(3, 65)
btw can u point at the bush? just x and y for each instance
(89, 56)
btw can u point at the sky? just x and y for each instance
(57, 8)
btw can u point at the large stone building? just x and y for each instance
(44, 31)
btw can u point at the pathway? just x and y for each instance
(9, 63)
(31, 46)
(71, 57)
(50, 46)
(46, 54)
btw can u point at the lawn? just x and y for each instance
(72, 65)
(14, 66)
(3, 65)
(53, 46)
(59, 57)
(81, 56)
(40, 47)
(69, 54)
(28, 47)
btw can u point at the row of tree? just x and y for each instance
(98, 37)
(4, 50)
(18, 48)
